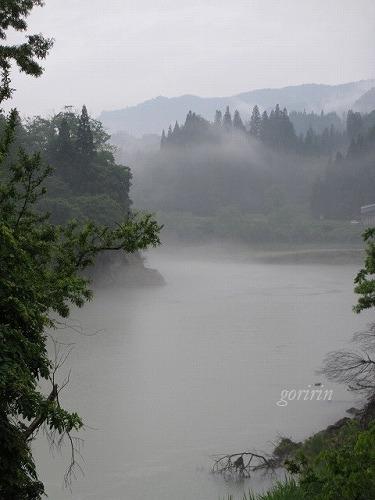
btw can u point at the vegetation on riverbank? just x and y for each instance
(284, 228)
(337, 463)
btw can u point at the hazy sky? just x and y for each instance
(113, 53)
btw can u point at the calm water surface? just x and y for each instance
(176, 373)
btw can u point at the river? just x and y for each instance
(165, 376)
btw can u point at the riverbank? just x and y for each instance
(289, 227)
(334, 463)
(229, 251)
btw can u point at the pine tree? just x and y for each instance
(237, 122)
(176, 129)
(218, 118)
(353, 124)
(63, 154)
(163, 139)
(227, 120)
(310, 145)
(255, 123)
(64, 146)
(264, 128)
(287, 132)
(85, 142)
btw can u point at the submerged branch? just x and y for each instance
(242, 464)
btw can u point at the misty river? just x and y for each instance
(165, 376)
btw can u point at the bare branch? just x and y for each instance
(242, 464)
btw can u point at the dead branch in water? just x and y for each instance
(242, 464)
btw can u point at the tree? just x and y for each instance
(85, 139)
(25, 55)
(218, 118)
(41, 277)
(176, 128)
(264, 128)
(353, 124)
(64, 148)
(227, 120)
(237, 122)
(255, 123)
(163, 139)
(365, 281)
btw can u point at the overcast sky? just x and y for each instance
(110, 54)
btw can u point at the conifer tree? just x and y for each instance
(63, 154)
(218, 118)
(237, 122)
(255, 123)
(264, 128)
(163, 139)
(227, 120)
(85, 141)
(353, 124)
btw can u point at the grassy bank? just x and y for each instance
(278, 230)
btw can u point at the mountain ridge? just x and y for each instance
(152, 115)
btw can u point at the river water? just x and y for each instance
(165, 376)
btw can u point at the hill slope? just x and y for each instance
(366, 102)
(155, 114)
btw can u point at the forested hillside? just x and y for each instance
(86, 181)
(349, 180)
(261, 180)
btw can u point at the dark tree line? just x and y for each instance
(303, 120)
(274, 129)
(349, 180)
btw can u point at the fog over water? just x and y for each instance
(195, 367)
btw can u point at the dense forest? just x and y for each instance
(86, 181)
(319, 134)
(262, 180)
(349, 180)
(302, 133)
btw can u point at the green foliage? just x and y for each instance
(346, 472)
(364, 281)
(25, 55)
(86, 181)
(41, 278)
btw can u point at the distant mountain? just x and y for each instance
(155, 114)
(366, 102)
